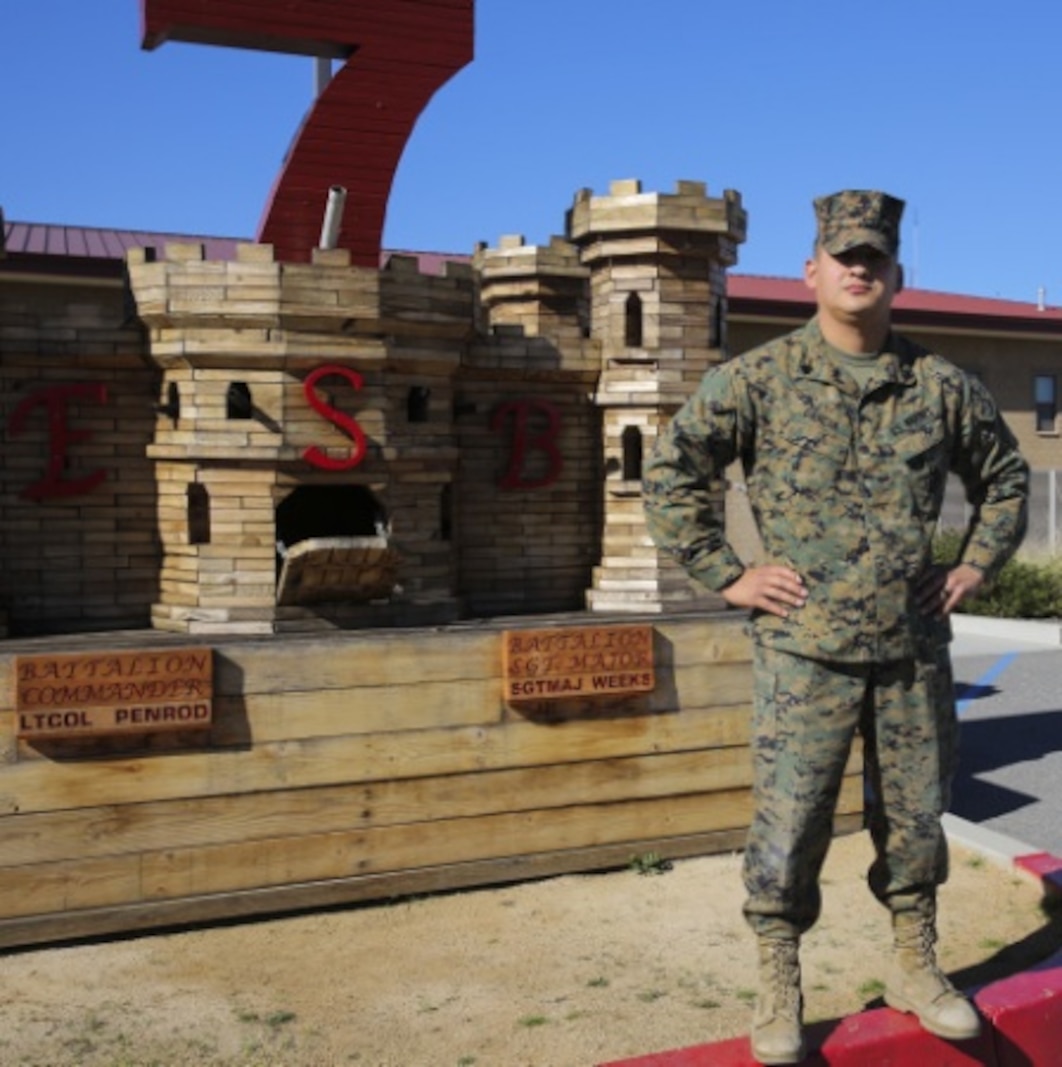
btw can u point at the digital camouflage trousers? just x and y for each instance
(806, 715)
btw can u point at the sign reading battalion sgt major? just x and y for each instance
(585, 661)
(86, 695)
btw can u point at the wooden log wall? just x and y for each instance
(364, 766)
(85, 560)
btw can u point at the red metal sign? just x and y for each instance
(396, 54)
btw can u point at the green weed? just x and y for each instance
(650, 863)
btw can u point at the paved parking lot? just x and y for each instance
(1010, 705)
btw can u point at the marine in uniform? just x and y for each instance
(846, 433)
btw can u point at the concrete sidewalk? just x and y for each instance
(981, 635)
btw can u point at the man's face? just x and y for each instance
(855, 286)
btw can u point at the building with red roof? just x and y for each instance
(68, 312)
(1014, 346)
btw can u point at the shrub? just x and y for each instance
(1023, 589)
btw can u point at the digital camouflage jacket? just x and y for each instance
(846, 487)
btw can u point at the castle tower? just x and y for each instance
(304, 448)
(540, 289)
(528, 532)
(658, 266)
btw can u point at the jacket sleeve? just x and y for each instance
(996, 479)
(682, 487)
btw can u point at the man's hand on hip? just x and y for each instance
(772, 589)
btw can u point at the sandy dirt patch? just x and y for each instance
(564, 972)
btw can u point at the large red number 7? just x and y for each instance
(397, 53)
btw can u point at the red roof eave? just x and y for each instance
(787, 298)
(81, 251)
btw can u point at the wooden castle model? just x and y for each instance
(338, 444)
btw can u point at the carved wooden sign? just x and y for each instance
(584, 661)
(75, 695)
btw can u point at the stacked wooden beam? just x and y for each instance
(361, 766)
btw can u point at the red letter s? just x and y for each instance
(313, 454)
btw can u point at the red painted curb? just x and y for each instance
(1025, 1013)
(1022, 1014)
(1046, 867)
(732, 1053)
(878, 1038)
(886, 1038)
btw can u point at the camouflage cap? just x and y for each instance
(855, 217)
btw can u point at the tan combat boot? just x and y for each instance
(918, 987)
(777, 1026)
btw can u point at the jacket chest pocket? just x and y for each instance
(921, 459)
(798, 465)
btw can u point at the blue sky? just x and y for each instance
(952, 106)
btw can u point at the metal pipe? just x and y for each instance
(322, 74)
(333, 216)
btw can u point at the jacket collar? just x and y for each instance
(815, 363)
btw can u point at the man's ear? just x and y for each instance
(899, 278)
(811, 268)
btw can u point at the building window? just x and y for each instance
(417, 403)
(631, 441)
(198, 501)
(446, 513)
(632, 327)
(1045, 400)
(717, 326)
(172, 405)
(238, 403)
